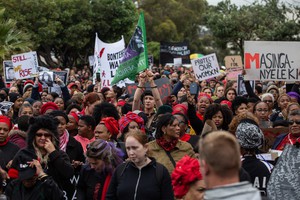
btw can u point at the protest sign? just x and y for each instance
(169, 51)
(163, 86)
(206, 67)
(270, 136)
(107, 60)
(135, 57)
(241, 89)
(177, 62)
(266, 60)
(63, 75)
(25, 65)
(8, 70)
(234, 67)
(46, 78)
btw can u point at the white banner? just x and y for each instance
(25, 65)
(107, 60)
(265, 60)
(206, 67)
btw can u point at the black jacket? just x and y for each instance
(142, 183)
(7, 153)
(45, 189)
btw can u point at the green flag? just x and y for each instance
(135, 57)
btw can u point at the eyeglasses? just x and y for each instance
(268, 101)
(46, 135)
(292, 122)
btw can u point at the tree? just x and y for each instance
(12, 40)
(66, 28)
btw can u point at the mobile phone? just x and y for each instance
(98, 76)
(194, 88)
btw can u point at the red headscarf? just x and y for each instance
(47, 106)
(7, 121)
(75, 115)
(202, 94)
(187, 171)
(129, 117)
(180, 108)
(111, 124)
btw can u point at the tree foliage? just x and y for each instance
(66, 28)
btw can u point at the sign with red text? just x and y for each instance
(206, 67)
(25, 65)
(163, 86)
(107, 60)
(265, 60)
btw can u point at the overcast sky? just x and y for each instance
(248, 2)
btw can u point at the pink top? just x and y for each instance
(84, 141)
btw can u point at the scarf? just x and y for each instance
(4, 143)
(104, 190)
(168, 146)
(186, 137)
(64, 139)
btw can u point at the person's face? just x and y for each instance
(101, 132)
(181, 92)
(220, 91)
(72, 124)
(37, 108)
(242, 109)
(230, 95)
(96, 164)
(18, 103)
(43, 96)
(203, 84)
(41, 137)
(83, 128)
(207, 91)
(212, 84)
(26, 111)
(196, 191)
(60, 103)
(203, 103)
(275, 93)
(29, 183)
(293, 126)
(49, 98)
(10, 74)
(172, 131)
(13, 89)
(111, 97)
(218, 119)
(261, 111)
(149, 102)
(235, 85)
(268, 100)
(182, 124)
(62, 124)
(132, 126)
(135, 150)
(250, 106)
(283, 102)
(293, 107)
(4, 129)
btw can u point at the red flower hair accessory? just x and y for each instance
(186, 172)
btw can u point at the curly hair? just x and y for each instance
(107, 152)
(237, 102)
(164, 120)
(213, 109)
(238, 118)
(105, 109)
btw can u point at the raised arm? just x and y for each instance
(139, 91)
(154, 89)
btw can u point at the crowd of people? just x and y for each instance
(93, 142)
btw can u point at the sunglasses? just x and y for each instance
(292, 122)
(46, 135)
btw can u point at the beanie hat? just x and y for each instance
(28, 84)
(164, 109)
(14, 96)
(180, 108)
(47, 106)
(294, 95)
(111, 124)
(249, 134)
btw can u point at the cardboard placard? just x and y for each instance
(206, 67)
(25, 65)
(234, 66)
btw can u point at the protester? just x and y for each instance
(167, 149)
(107, 129)
(141, 177)
(89, 102)
(220, 168)
(129, 122)
(261, 111)
(102, 159)
(187, 180)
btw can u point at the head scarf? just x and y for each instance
(202, 94)
(7, 121)
(111, 124)
(129, 117)
(180, 108)
(47, 106)
(75, 115)
(187, 171)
